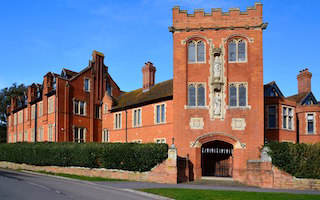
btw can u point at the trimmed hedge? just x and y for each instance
(299, 160)
(125, 156)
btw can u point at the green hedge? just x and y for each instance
(299, 160)
(125, 156)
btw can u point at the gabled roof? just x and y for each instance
(68, 73)
(303, 97)
(159, 92)
(272, 86)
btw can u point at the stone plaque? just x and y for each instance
(196, 123)
(238, 123)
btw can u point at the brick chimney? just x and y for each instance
(148, 72)
(304, 81)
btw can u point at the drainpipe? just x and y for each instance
(126, 126)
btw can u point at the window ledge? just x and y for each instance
(204, 62)
(311, 134)
(196, 107)
(272, 128)
(286, 129)
(239, 107)
(237, 61)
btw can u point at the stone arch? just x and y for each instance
(250, 40)
(218, 136)
(185, 41)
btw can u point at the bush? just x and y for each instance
(299, 160)
(125, 156)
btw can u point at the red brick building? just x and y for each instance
(212, 110)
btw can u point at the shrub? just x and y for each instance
(300, 160)
(125, 156)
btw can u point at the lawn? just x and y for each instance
(86, 178)
(192, 194)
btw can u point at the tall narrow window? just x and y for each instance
(310, 123)
(79, 134)
(26, 114)
(196, 52)
(284, 117)
(160, 115)
(40, 137)
(272, 112)
(196, 94)
(105, 135)
(50, 105)
(117, 121)
(86, 84)
(33, 135)
(40, 109)
(15, 119)
(50, 133)
(237, 50)
(98, 111)
(287, 117)
(79, 107)
(136, 117)
(26, 135)
(33, 111)
(238, 95)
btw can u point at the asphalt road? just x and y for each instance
(22, 186)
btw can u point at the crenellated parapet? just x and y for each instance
(216, 19)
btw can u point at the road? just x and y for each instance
(24, 186)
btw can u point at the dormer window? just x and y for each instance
(54, 83)
(196, 52)
(237, 50)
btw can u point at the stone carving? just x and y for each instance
(217, 68)
(265, 157)
(196, 123)
(238, 123)
(217, 104)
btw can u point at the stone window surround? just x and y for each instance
(20, 117)
(277, 116)
(15, 119)
(155, 113)
(40, 135)
(314, 123)
(50, 105)
(293, 118)
(205, 96)
(133, 116)
(196, 41)
(84, 109)
(84, 84)
(33, 111)
(14, 137)
(40, 108)
(237, 84)
(50, 138)
(105, 108)
(117, 126)
(33, 134)
(26, 114)
(26, 135)
(107, 132)
(84, 132)
(237, 39)
(160, 139)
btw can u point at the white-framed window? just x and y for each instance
(160, 140)
(117, 120)
(79, 107)
(20, 117)
(26, 136)
(238, 95)
(136, 117)
(40, 134)
(196, 51)
(33, 135)
(20, 137)
(86, 84)
(50, 105)
(26, 114)
(79, 134)
(137, 141)
(9, 121)
(50, 132)
(33, 111)
(287, 117)
(272, 116)
(40, 108)
(310, 123)
(105, 108)
(237, 50)
(98, 111)
(105, 135)
(196, 94)
(15, 119)
(160, 113)
(14, 137)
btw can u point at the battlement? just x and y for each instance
(251, 18)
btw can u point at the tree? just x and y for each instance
(5, 101)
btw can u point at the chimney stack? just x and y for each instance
(304, 81)
(148, 72)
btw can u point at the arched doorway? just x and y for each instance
(217, 159)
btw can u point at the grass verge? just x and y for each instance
(86, 178)
(192, 194)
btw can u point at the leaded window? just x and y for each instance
(310, 123)
(238, 95)
(237, 50)
(196, 51)
(160, 114)
(287, 117)
(196, 95)
(272, 113)
(79, 135)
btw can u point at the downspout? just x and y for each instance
(35, 122)
(126, 126)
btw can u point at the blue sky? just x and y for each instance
(38, 36)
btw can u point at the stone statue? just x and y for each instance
(217, 104)
(217, 67)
